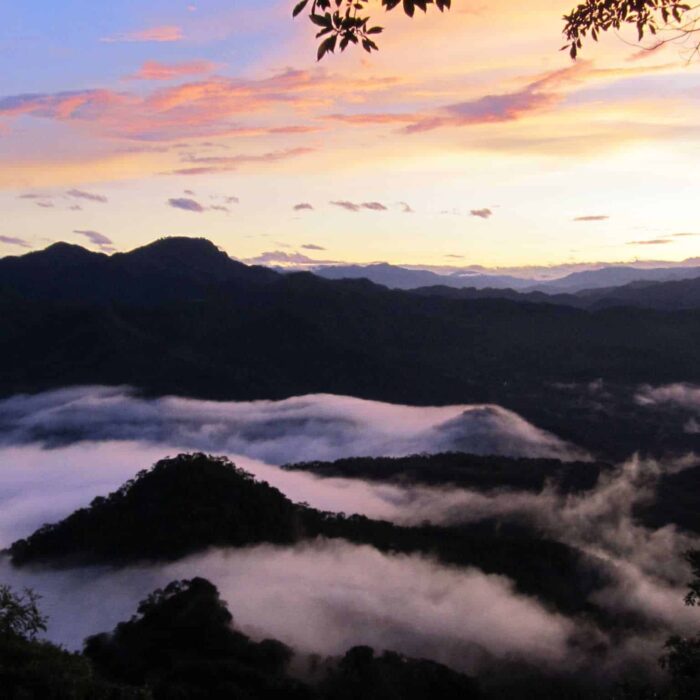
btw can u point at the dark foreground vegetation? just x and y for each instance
(181, 317)
(191, 502)
(182, 644)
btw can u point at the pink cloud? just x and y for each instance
(155, 70)
(163, 33)
(203, 108)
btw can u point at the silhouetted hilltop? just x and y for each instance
(192, 502)
(179, 506)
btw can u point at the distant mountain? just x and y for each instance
(681, 294)
(155, 319)
(668, 296)
(614, 277)
(397, 277)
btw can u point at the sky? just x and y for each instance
(469, 138)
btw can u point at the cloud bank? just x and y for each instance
(303, 428)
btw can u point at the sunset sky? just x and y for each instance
(468, 139)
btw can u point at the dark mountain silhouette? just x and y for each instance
(166, 270)
(155, 319)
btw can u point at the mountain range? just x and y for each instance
(398, 277)
(181, 317)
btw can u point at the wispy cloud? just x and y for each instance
(12, 240)
(355, 207)
(540, 93)
(90, 196)
(186, 204)
(98, 239)
(207, 165)
(281, 257)
(312, 246)
(592, 217)
(160, 34)
(653, 241)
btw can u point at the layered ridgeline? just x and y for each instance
(181, 317)
(182, 643)
(193, 502)
(674, 500)
(463, 470)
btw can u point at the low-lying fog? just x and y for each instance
(60, 449)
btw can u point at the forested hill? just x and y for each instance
(180, 317)
(192, 502)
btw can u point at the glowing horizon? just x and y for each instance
(486, 146)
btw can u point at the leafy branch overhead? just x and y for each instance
(593, 17)
(345, 22)
(340, 23)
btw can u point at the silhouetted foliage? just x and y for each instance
(37, 670)
(592, 17)
(181, 644)
(682, 654)
(341, 23)
(391, 676)
(19, 613)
